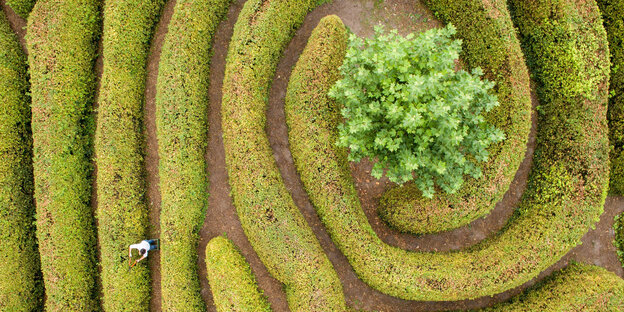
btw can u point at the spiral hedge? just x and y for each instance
(272, 222)
(119, 144)
(488, 41)
(565, 193)
(21, 7)
(62, 40)
(182, 131)
(21, 286)
(578, 287)
(232, 283)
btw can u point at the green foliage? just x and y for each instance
(182, 124)
(578, 287)
(21, 7)
(406, 106)
(232, 283)
(62, 41)
(119, 145)
(564, 196)
(489, 42)
(618, 226)
(273, 223)
(21, 285)
(613, 18)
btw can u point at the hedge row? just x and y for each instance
(618, 226)
(232, 283)
(21, 286)
(489, 42)
(613, 19)
(578, 287)
(119, 145)
(272, 222)
(182, 126)
(62, 40)
(566, 189)
(21, 7)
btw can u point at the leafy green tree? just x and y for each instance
(406, 105)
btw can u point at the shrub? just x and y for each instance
(182, 125)
(21, 287)
(62, 39)
(578, 287)
(232, 283)
(489, 42)
(618, 226)
(119, 145)
(21, 7)
(564, 197)
(272, 222)
(406, 106)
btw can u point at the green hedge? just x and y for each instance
(489, 42)
(618, 226)
(232, 283)
(119, 145)
(578, 287)
(564, 197)
(182, 125)
(21, 286)
(272, 222)
(21, 7)
(62, 41)
(613, 18)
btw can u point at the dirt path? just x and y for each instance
(221, 217)
(596, 249)
(151, 153)
(17, 23)
(99, 69)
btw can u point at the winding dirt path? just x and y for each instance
(17, 23)
(151, 152)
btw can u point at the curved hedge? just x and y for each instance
(272, 222)
(182, 125)
(21, 7)
(62, 41)
(489, 42)
(119, 145)
(21, 287)
(565, 194)
(232, 283)
(613, 18)
(578, 287)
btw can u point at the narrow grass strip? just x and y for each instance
(613, 18)
(232, 283)
(564, 197)
(272, 222)
(488, 41)
(578, 287)
(119, 144)
(62, 41)
(21, 7)
(21, 284)
(182, 130)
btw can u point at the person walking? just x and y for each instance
(143, 248)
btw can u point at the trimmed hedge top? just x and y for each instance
(272, 222)
(564, 197)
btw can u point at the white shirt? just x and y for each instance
(142, 245)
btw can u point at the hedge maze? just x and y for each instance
(54, 133)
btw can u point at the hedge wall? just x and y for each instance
(613, 18)
(272, 222)
(489, 42)
(232, 283)
(119, 145)
(564, 197)
(578, 287)
(21, 286)
(618, 226)
(21, 7)
(62, 40)
(182, 130)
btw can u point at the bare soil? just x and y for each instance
(151, 152)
